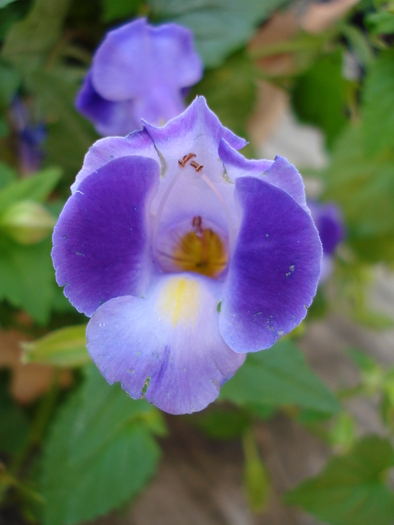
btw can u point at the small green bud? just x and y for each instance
(65, 347)
(27, 222)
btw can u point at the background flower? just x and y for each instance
(329, 223)
(139, 71)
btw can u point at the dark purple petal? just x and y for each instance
(171, 337)
(109, 118)
(101, 240)
(110, 148)
(274, 271)
(280, 173)
(329, 223)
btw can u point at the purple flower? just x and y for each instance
(139, 71)
(31, 137)
(329, 223)
(188, 256)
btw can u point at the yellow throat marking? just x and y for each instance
(201, 251)
(178, 301)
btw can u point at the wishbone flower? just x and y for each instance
(187, 255)
(329, 223)
(139, 71)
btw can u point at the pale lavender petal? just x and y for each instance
(101, 240)
(326, 267)
(196, 130)
(171, 337)
(280, 173)
(110, 148)
(108, 117)
(208, 192)
(274, 271)
(137, 57)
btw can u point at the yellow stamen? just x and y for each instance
(201, 252)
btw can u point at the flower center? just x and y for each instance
(200, 251)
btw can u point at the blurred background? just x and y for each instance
(303, 433)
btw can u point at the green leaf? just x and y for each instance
(35, 36)
(279, 377)
(230, 91)
(10, 80)
(36, 188)
(381, 23)
(359, 44)
(4, 128)
(63, 347)
(27, 277)
(7, 175)
(319, 96)
(369, 213)
(378, 103)
(4, 3)
(10, 14)
(350, 490)
(220, 27)
(14, 423)
(221, 423)
(69, 134)
(99, 454)
(120, 9)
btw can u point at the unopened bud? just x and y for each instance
(27, 222)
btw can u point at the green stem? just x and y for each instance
(300, 43)
(42, 416)
(350, 392)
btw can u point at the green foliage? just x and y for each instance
(36, 188)
(220, 27)
(63, 347)
(10, 14)
(4, 3)
(378, 103)
(120, 9)
(69, 134)
(256, 482)
(350, 490)
(14, 423)
(381, 23)
(279, 377)
(7, 175)
(30, 40)
(99, 454)
(319, 97)
(359, 43)
(364, 188)
(230, 91)
(10, 80)
(26, 272)
(343, 432)
(221, 423)
(26, 277)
